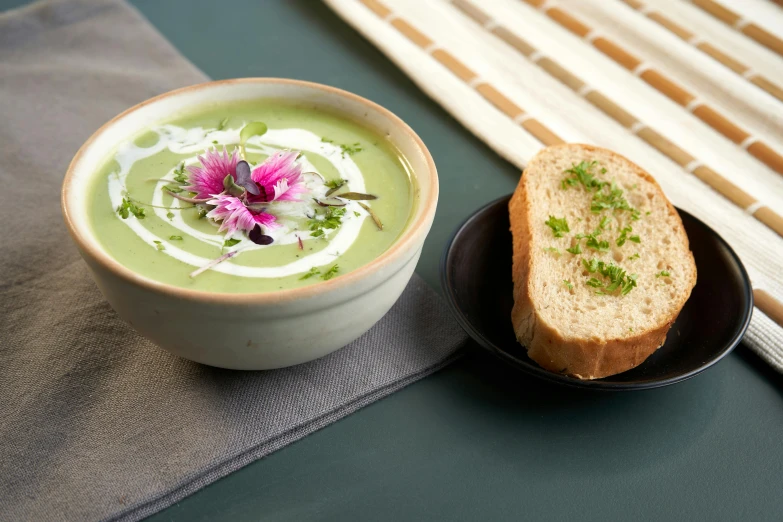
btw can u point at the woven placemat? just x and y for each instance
(691, 91)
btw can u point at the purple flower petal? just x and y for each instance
(258, 237)
(244, 180)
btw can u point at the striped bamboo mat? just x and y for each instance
(692, 90)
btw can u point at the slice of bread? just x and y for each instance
(578, 313)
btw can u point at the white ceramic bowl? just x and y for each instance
(262, 330)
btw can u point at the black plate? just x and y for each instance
(476, 277)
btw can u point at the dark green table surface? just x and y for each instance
(477, 440)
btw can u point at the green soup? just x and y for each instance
(317, 197)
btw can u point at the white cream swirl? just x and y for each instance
(195, 141)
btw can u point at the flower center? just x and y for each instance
(264, 196)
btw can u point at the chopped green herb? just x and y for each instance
(558, 226)
(630, 284)
(214, 142)
(618, 278)
(313, 272)
(128, 207)
(635, 256)
(647, 213)
(231, 242)
(222, 124)
(175, 238)
(624, 235)
(350, 149)
(326, 140)
(663, 273)
(179, 174)
(332, 219)
(582, 173)
(170, 214)
(576, 249)
(604, 221)
(612, 200)
(591, 266)
(356, 214)
(172, 188)
(553, 250)
(594, 282)
(602, 200)
(202, 212)
(568, 284)
(159, 245)
(330, 273)
(614, 285)
(335, 183)
(592, 242)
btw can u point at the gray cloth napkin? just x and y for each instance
(95, 421)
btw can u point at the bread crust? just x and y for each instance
(578, 357)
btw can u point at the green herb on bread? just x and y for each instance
(559, 226)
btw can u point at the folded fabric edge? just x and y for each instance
(268, 447)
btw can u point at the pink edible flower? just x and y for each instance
(234, 215)
(207, 180)
(279, 178)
